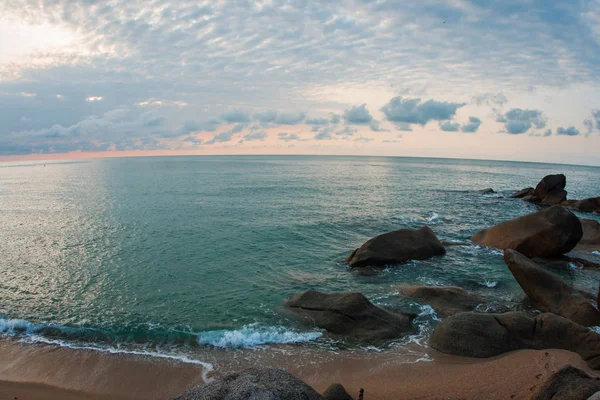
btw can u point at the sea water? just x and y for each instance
(174, 256)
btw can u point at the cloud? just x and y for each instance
(413, 111)
(570, 131)
(363, 139)
(335, 119)
(290, 118)
(376, 126)
(317, 121)
(209, 125)
(449, 126)
(94, 98)
(357, 115)
(403, 126)
(152, 119)
(236, 115)
(287, 137)
(472, 125)
(193, 139)
(221, 137)
(490, 99)
(256, 135)
(324, 134)
(517, 121)
(346, 131)
(548, 133)
(593, 122)
(267, 116)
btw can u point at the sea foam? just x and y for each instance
(255, 335)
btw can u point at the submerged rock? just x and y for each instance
(585, 205)
(569, 383)
(522, 193)
(397, 247)
(336, 392)
(445, 300)
(549, 293)
(253, 384)
(486, 191)
(485, 335)
(547, 233)
(350, 314)
(590, 241)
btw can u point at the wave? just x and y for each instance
(255, 335)
(490, 284)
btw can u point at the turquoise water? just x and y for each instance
(198, 252)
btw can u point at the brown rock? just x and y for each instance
(549, 293)
(522, 193)
(485, 335)
(350, 314)
(590, 241)
(397, 247)
(549, 184)
(530, 198)
(336, 392)
(585, 205)
(569, 383)
(253, 383)
(546, 233)
(555, 197)
(445, 300)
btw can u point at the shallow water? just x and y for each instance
(177, 254)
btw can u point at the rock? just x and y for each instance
(336, 392)
(569, 383)
(445, 300)
(350, 314)
(549, 184)
(486, 191)
(585, 205)
(522, 193)
(595, 396)
(549, 293)
(590, 241)
(530, 198)
(485, 335)
(397, 247)
(547, 233)
(254, 384)
(555, 197)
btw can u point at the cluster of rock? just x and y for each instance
(551, 191)
(528, 242)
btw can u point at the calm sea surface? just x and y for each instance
(200, 252)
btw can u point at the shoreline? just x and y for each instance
(39, 371)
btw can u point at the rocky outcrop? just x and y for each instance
(336, 392)
(397, 247)
(549, 293)
(522, 193)
(586, 205)
(486, 191)
(445, 300)
(590, 241)
(485, 335)
(254, 383)
(569, 383)
(547, 233)
(350, 314)
(555, 197)
(550, 185)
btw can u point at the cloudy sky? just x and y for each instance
(492, 79)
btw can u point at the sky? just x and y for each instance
(487, 79)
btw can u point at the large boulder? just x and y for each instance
(254, 384)
(585, 205)
(549, 293)
(547, 233)
(522, 193)
(549, 184)
(590, 241)
(350, 314)
(555, 197)
(445, 300)
(569, 383)
(397, 247)
(485, 335)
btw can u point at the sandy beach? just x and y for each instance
(51, 372)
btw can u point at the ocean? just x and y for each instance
(179, 257)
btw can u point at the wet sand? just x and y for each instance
(50, 372)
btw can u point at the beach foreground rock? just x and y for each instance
(549, 293)
(569, 383)
(350, 314)
(590, 241)
(253, 384)
(336, 392)
(397, 247)
(547, 233)
(445, 300)
(485, 335)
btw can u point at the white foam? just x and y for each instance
(595, 328)
(596, 252)
(255, 335)
(490, 284)
(434, 217)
